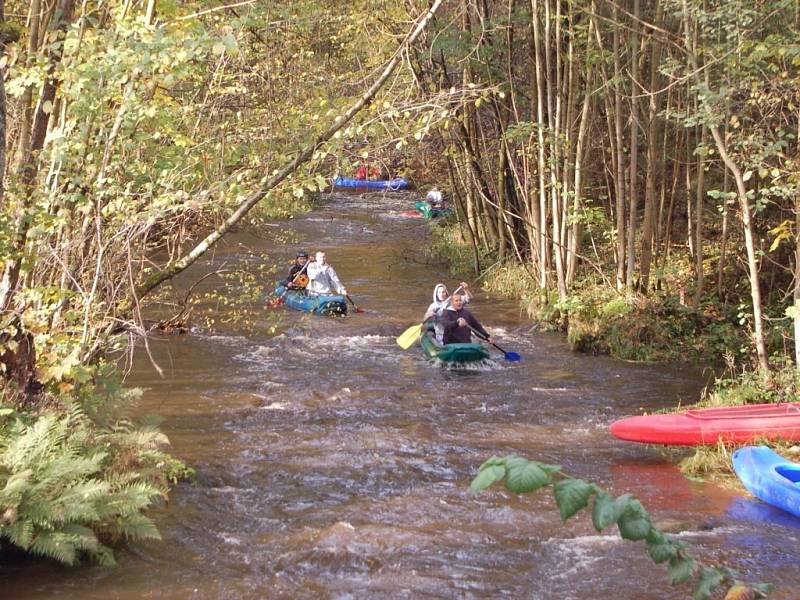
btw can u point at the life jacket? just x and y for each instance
(361, 172)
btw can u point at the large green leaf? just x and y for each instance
(710, 578)
(607, 510)
(680, 569)
(571, 496)
(634, 523)
(659, 547)
(525, 476)
(487, 476)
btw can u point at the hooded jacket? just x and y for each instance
(436, 307)
(324, 280)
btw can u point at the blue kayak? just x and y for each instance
(769, 477)
(398, 183)
(319, 304)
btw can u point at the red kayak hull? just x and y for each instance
(731, 424)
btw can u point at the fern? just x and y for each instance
(66, 476)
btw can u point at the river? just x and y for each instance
(333, 464)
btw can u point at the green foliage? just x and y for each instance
(626, 512)
(65, 484)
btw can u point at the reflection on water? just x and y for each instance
(334, 464)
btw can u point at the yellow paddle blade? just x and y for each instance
(406, 339)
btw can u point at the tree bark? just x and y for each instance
(618, 139)
(634, 150)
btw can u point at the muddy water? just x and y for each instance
(333, 464)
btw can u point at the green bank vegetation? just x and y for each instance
(630, 173)
(135, 134)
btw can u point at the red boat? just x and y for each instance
(707, 426)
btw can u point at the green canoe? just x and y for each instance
(451, 353)
(429, 212)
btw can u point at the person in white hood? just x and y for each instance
(441, 302)
(323, 278)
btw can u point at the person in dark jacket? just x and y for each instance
(457, 321)
(295, 281)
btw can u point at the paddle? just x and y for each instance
(358, 310)
(512, 356)
(406, 339)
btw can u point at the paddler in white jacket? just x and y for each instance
(323, 279)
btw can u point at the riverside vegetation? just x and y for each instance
(631, 174)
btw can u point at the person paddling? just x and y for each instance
(296, 281)
(458, 323)
(323, 278)
(435, 197)
(441, 299)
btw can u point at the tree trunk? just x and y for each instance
(634, 149)
(618, 139)
(653, 165)
(541, 163)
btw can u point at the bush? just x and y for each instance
(75, 475)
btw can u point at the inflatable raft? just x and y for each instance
(429, 212)
(451, 353)
(319, 304)
(397, 183)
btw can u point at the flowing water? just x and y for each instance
(332, 464)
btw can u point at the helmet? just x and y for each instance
(302, 253)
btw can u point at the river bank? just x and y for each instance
(658, 328)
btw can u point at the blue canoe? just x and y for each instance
(322, 304)
(397, 183)
(769, 477)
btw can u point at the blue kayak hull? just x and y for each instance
(394, 184)
(323, 304)
(769, 477)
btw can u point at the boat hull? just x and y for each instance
(452, 353)
(391, 184)
(735, 425)
(426, 210)
(769, 477)
(323, 304)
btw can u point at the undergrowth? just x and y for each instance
(76, 473)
